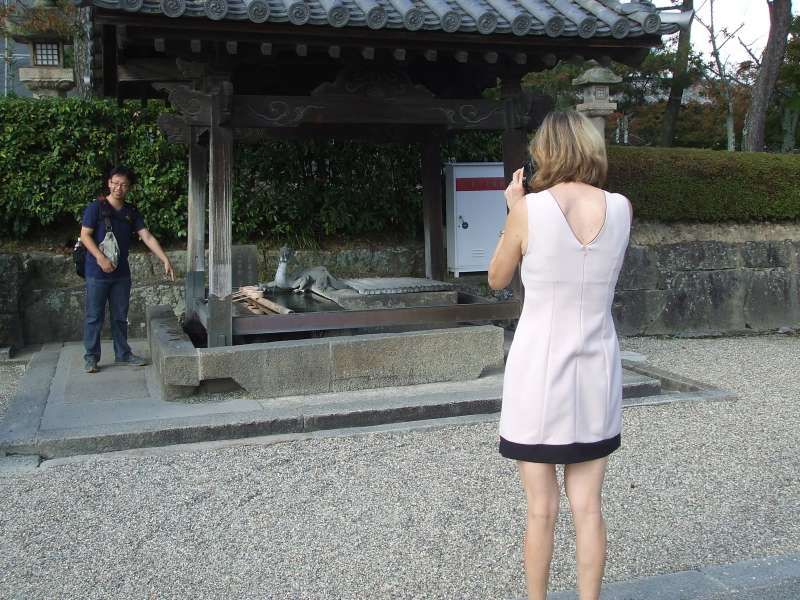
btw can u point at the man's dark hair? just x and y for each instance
(124, 172)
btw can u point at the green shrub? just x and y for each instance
(54, 154)
(681, 184)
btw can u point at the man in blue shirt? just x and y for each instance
(105, 281)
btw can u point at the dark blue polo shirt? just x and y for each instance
(125, 222)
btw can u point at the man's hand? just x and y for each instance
(105, 264)
(168, 270)
(515, 190)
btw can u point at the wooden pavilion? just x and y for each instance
(377, 70)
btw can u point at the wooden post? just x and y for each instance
(432, 208)
(515, 150)
(195, 250)
(220, 187)
(110, 75)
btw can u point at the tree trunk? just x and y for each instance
(679, 82)
(790, 118)
(82, 53)
(780, 16)
(729, 127)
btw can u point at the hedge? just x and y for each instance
(681, 184)
(54, 153)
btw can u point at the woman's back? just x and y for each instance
(563, 382)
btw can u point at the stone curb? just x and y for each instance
(20, 432)
(746, 580)
(19, 428)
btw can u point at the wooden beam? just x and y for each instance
(219, 230)
(432, 208)
(196, 234)
(292, 111)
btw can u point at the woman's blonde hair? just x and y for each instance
(568, 147)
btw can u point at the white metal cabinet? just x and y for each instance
(476, 212)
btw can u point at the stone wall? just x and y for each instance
(708, 288)
(10, 324)
(42, 299)
(679, 280)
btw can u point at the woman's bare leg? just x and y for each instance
(542, 492)
(583, 483)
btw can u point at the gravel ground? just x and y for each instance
(417, 514)
(10, 373)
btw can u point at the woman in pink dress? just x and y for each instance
(562, 391)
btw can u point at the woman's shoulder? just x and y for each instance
(622, 199)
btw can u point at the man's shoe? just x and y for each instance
(132, 360)
(91, 365)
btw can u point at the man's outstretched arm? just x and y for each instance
(151, 242)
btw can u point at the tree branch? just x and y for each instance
(750, 52)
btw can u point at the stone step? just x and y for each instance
(296, 414)
(636, 385)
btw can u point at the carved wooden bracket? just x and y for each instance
(178, 131)
(196, 107)
(175, 128)
(191, 104)
(526, 110)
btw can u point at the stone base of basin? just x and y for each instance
(319, 365)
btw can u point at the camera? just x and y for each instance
(527, 175)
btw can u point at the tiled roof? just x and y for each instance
(553, 18)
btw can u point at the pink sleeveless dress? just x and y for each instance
(562, 391)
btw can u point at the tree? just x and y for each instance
(679, 81)
(780, 17)
(789, 88)
(721, 69)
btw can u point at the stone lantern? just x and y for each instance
(47, 75)
(594, 85)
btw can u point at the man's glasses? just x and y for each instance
(124, 186)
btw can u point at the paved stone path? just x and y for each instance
(422, 513)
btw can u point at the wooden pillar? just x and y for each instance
(195, 250)
(110, 75)
(515, 149)
(432, 208)
(219, 230)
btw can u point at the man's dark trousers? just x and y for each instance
(117, 293)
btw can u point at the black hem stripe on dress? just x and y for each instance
(559, 454)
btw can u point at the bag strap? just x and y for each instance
(105, 212)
